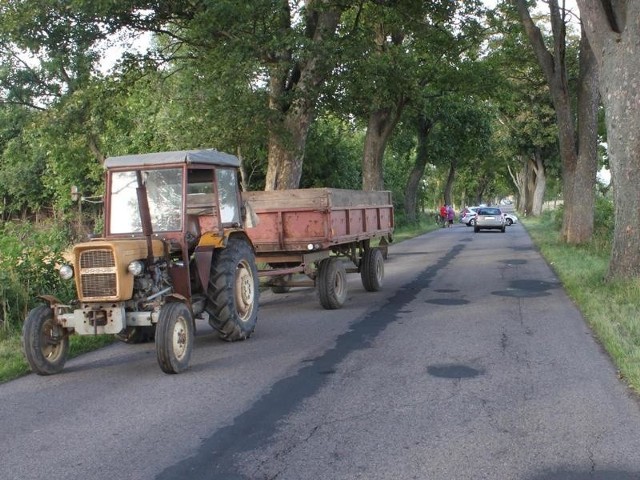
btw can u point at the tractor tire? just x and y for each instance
(232, 296)
(45, 344)
(174, 337)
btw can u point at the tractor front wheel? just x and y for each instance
(174, 337)
(45, 344)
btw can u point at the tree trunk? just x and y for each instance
(529, 186)
(292, 95)
(382, 121)
(586, 168)
(415, 176)
(482, 186)
(540, 184)
(519, 179)
(286, 149)
(379, 130)
(448, 186)
(613, 30)
(575, 178)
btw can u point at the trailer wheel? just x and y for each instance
(372, 269)
(45, 344)
(174, 337)
(232, 297)
(332, 283)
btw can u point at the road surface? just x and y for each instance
(471, 363)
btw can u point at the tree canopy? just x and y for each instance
(432, 100)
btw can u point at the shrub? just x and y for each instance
(29, 255)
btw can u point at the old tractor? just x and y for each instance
(174, 249)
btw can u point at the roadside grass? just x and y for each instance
(611, 309)
(13, 364)
(423, 225)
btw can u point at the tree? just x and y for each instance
(392, 51)
(578, 145)
(525, 127)
(613, 33)
(294, 78)
(282, 45)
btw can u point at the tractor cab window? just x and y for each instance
(200, 193)
(164, 196)
(228, 196)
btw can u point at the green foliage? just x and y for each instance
(333, 155)
(405, 229)
(28, 259)
(603, 224)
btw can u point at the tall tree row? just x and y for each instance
(613, 32)
(577, 134)
(284, 82)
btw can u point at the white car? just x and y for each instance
(469, 218)
(510, 218)
(489, 218)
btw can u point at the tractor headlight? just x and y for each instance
(136, 268)
(66, 272)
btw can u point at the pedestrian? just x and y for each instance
(450, 215)
(443, 214)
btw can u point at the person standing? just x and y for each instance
(443, 215)
(450, 216)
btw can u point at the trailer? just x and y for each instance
(314, 237)
(180, 244)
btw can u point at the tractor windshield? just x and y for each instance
(164, 196)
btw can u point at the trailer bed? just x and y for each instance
(315, 219)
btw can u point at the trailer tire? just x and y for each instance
(332, 283)
(174, 337)
(232, 296)
(45, 344)
(372, 269)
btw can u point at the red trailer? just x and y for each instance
(313, 237)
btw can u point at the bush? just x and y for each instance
(603, 224)
(28, 258)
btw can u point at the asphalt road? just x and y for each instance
(471, 363)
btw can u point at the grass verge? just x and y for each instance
(13, 364)
(611, 309)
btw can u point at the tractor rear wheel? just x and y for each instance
(232, 296)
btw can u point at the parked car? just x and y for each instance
(489, 218)
(469, 217)
(509, 218)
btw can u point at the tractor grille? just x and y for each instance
(98, 274)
